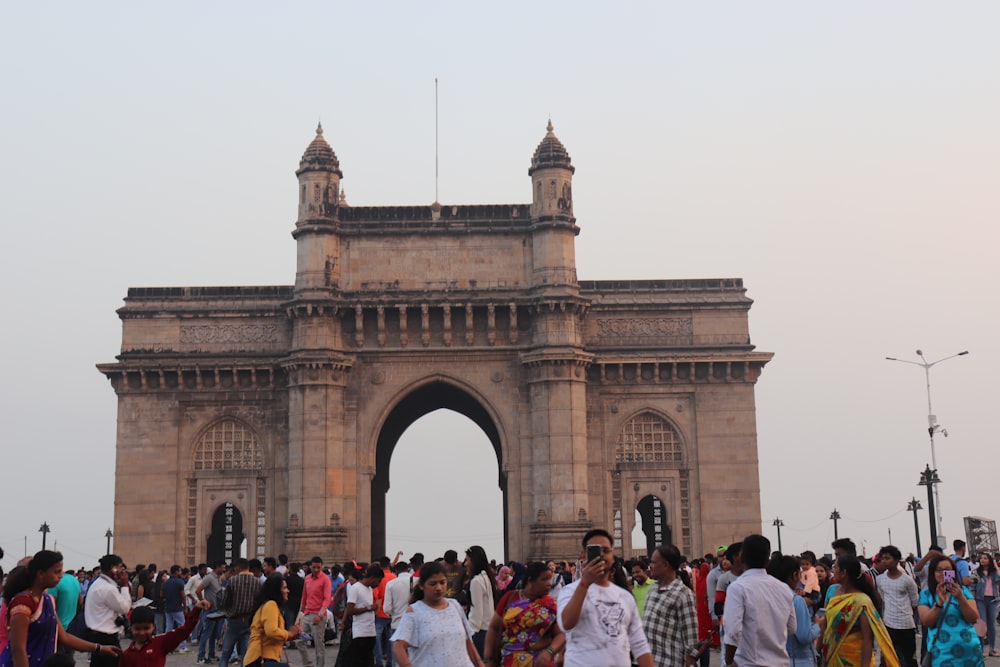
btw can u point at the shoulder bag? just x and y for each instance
(928, 658)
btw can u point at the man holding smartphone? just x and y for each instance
(600, 619)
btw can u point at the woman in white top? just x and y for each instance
(434, 631)
(482, 594)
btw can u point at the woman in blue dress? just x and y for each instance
(948, 611)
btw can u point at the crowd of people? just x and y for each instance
(758, 608)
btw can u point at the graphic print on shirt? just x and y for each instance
(611, 615)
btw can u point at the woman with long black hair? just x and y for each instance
(434, 631)
(988, 598)
(482, 594)
(948, 612)
(34, 629)
(852, 624)
(267, 629)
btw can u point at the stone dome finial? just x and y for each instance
(550, 153)
(318, 156)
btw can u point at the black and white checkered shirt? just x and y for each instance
(670, 620)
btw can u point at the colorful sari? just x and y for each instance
(526, 629)
(841, 644)
(43, 628)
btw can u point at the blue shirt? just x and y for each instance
(962, 567)
(173, 595)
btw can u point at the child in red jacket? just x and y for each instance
(149, 651)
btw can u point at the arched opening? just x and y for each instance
(447, 429)
(227, 540)
(651, 528)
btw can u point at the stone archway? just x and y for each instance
(389, 297)
(423, 400)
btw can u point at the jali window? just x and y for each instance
(649, 438)
(228, 445)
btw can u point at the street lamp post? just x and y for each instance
(44, 530)
(930, 479)
(932, 428)
(778, 523)
(835, 516)
(109, 535)
(914, 506)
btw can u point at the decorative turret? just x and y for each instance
(551, 180)
(319, 181)
(316, 231)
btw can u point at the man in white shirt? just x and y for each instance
(361, 609)
(107, 599)
(899, 600)
(759, 612)
(397, 599)
(600, 619)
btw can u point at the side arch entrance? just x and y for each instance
(433, 396)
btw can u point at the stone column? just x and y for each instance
(557, 460)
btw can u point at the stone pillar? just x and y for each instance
(321, 476)
(558, 458)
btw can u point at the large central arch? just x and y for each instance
(435, 395)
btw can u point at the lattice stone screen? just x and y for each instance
(228, 445)
(648, 438)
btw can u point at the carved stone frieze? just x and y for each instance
(228, 334)
(626, 330)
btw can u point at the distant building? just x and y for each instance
(270, 413)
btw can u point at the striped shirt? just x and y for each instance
(899, 597)
(239, 597)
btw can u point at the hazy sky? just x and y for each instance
(842, 158)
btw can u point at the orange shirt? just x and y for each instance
(379, 593)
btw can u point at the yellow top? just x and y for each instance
(267, 634)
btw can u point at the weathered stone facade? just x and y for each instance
(287, 401)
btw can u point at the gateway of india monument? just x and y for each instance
(269, 414)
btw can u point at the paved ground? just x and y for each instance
(177, 660)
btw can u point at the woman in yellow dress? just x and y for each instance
(852, 625)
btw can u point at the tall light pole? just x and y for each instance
(835, 517)
(932, 428)
(44, 530)
(778, 523)
(914, 506)
(109, 535)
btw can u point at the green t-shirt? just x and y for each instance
(67, 596)
(640, 592)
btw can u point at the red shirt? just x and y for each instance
(315, 594)
(154, 652)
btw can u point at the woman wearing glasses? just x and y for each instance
(949, 613)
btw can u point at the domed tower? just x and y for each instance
(319, 180)
(551, 180)
(316, 229)
(554, 227)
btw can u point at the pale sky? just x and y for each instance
(842, 158)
